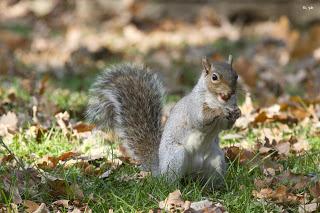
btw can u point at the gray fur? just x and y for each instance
(129, 99)
(230, 60)
(197, 145)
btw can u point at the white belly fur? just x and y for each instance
(198, 146)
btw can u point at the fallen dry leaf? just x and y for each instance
(173, 202)
(8, 123)
(36, 132)
(308, 208)
(283, 148)
(247, 71)
(71, 206)
(300, 146)
(76, 191)
(9, 208)
(235, 152)
(315, 190)
(30, 206)
(57, 186)
(6, 159)
(264, 193)
(63, 203)
(49, 162)
(83, 127)
(279, 195)
(42, 209)
(263, 183)
(12, 190)
(106, 174)
(63, 121)
(138, 176)
(270, 168)
(284, 188)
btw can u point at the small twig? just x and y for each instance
(11, 153)
(20, 163)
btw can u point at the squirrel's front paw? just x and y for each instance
(236, 113)
(232, 115)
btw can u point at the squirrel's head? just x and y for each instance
(221, 79)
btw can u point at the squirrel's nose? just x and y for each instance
(226, 96)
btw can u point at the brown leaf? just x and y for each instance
(300, 147)
(263, 193)
(67, 155)
(8, 122)
(243, 155)
(58, 187)
(307, 44)
(283, 148)
(12, 40)
(43, 84)
(42, 209)
(16, 197)
(308, 208)
(280, 194)
(9, 208)
(261, 117)
(265, 150)
(30, 205)
(49, 162)
(173, 202)
(40, 8)
(200, 205)
(270, 168)
(295, 181)
(6, 158)
(247, 71)
(76, 191)
(63, 203)
(263, 183)
(77, 206)
(36, 132)
(83, 127)
(246, 113)
(315, 190)
(63, 121)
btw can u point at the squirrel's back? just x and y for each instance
(128, 98)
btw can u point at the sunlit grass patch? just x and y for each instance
(69, 100)
(123, 194)
(51, 142)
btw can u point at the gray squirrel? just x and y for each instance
(129, 99)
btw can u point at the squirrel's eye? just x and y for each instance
(215, 77)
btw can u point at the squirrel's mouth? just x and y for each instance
(224, 97)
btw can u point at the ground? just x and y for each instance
(51, 159)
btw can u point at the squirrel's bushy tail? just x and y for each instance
(129, 98)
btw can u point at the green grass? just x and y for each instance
(13, 86)
(137, 195)
(52, 143)
(68, 100)
(21, 29)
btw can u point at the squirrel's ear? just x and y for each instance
(206, 65)
(230, 60)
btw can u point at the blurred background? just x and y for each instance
(51, 50)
